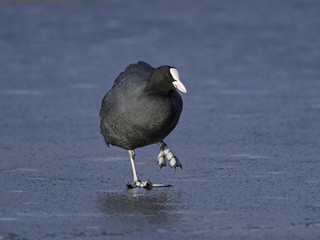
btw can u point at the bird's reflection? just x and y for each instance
(153, 206)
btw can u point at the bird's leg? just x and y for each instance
(132, 156)
(136, 182)
(173, 160)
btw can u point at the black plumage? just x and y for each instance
(142, 107)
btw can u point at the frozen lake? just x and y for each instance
(248, 137)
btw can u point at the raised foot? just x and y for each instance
(146, 184)
(161, 159)
(166, 153)
(174, 162)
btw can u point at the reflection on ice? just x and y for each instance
(155, 207)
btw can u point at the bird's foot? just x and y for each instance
(161, 159)
(161, 185)
(166, 153)
(146, 184)
(174, 162)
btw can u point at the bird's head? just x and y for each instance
(165, 79)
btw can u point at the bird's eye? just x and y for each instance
(167, 75)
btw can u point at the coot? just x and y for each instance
(140, 109)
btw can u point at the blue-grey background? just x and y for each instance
(248, 137)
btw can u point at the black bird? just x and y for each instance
(140, 109)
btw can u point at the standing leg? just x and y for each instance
(132, 156)
(136, 183)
